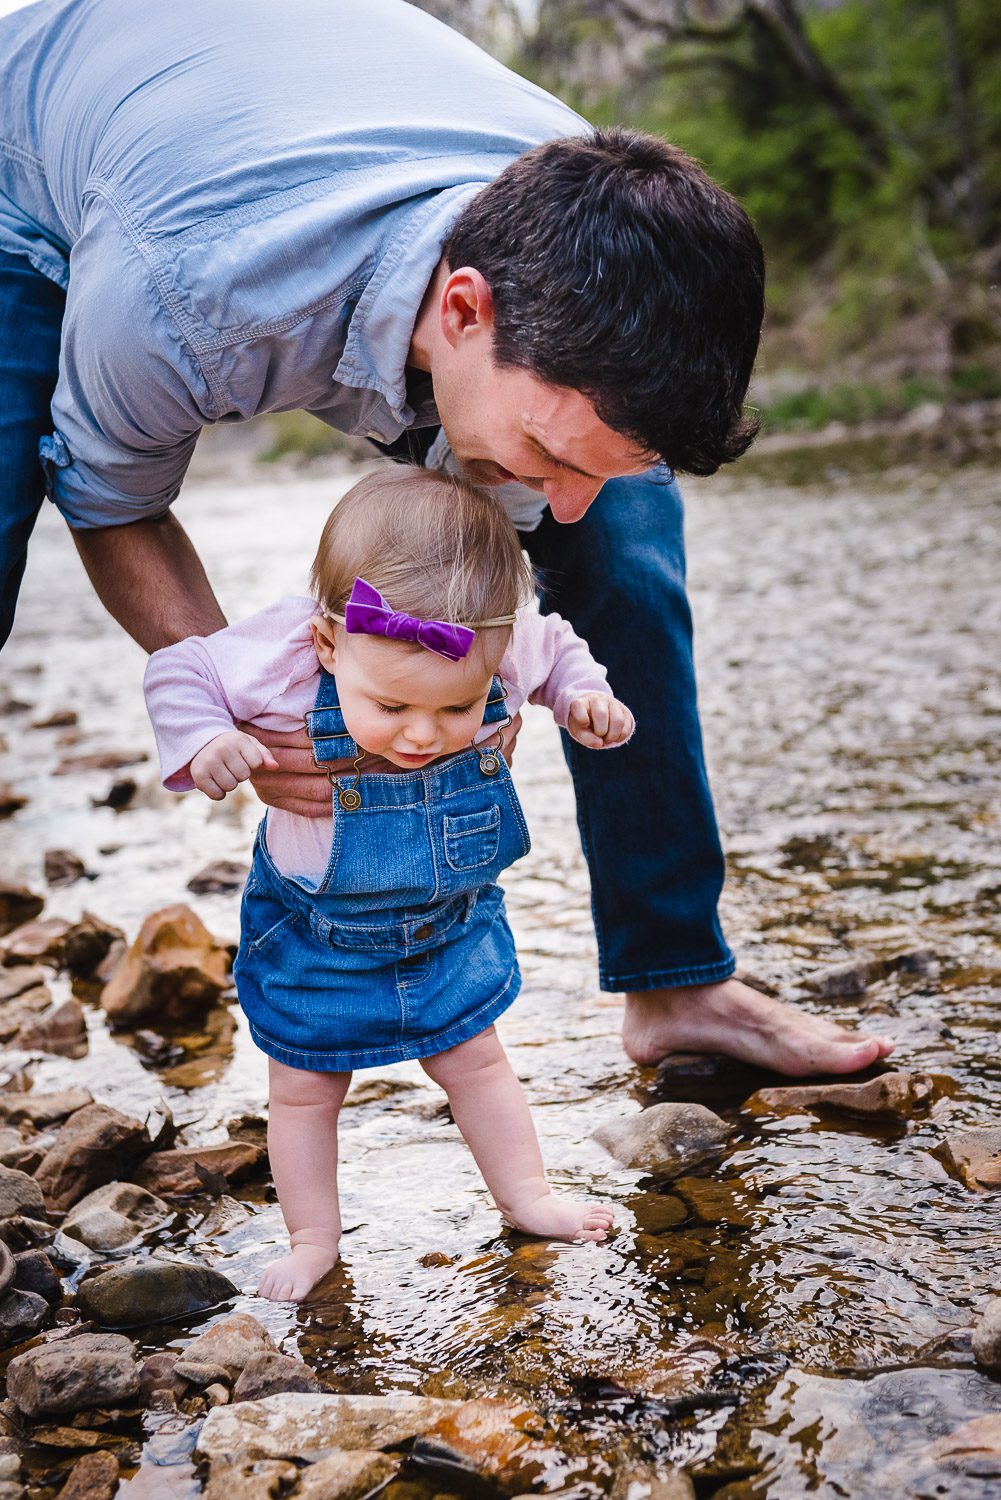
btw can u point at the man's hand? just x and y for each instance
(298, 785)
(599, 721)
(227, 760)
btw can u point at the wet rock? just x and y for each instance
(74, 1374)
(173, 969)
(19, 1232)
(347, 1476)
(34, 1272)
(645, 1482)
(20, 1193)
(10, 1460)
(492, 1439)
(893, 1095)
(315, 1426)
(157, 1374)
(271, 1374)
(21, 1315)
(61, 1031)
(109, 963)
(10, 801)
(253, 1481)
(41, 1109)
(657, 1212)
(218, 878)
(118, 795)
(222, 1351)
(96, 1144)
(676, 1375)
(93, 1477)
(199, 1169)
(8, 1269)
(976, 1156)
(705, 1078)
(35, 942)
(17, 905)
(23, 1012)
(974, 1448)
(114, 1214)
(713, 1202)
(855, 977)
(99, 760)
(88, 944)
(987, 1337)
(248, 1128)
(666, 1139)
(18, 981)
(63, 718)
(137, 1292)
(16, 1152)
(62, 867)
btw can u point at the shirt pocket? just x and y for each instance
(472, 839)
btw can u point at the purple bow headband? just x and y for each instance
(368, 613)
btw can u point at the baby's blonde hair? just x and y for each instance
(434, 545)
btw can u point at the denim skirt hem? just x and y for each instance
(461, 1030)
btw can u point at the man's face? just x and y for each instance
(505, 424)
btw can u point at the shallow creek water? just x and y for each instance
(787, 1322)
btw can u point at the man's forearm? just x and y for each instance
(151, 579)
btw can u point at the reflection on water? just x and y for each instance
(780, 1325)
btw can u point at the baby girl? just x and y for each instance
(378, 933)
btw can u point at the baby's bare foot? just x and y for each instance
(294, 1276)
(554, 1218)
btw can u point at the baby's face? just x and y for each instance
(410, 707)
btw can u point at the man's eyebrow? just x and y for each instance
(563, 463)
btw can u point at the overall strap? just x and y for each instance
(325, 724)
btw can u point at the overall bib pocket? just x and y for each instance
(472, 839)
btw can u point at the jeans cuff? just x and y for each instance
(671, 979)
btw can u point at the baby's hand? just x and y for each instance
(228, 759)
(598, 721)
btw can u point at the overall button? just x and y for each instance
(423, 933)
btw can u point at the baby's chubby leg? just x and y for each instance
(302, 1143)
(490, 1109)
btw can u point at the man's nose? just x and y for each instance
(569, 499)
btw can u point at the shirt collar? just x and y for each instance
(382, 324)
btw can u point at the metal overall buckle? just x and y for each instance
(490, 755)
(349, 796)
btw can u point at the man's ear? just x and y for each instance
(324, 641)
(467, 305)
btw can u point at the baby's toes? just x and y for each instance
(589, 1234)
(599, 1217)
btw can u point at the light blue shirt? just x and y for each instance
(246, 200)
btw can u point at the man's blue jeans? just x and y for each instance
(31, 313)
(645, 812)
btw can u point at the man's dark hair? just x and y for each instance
(619, 269)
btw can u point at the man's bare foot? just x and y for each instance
(553, 1218)
(737, 1021)
(294, 1276)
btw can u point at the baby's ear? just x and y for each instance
(323, 641)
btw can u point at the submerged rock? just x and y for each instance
(896, 1095)
(973, 1449)
(987, 1337)
(73, 1374)
(95, 1144)
(315, 1426)
(267, 1374)
(666, 1139)
(151, 1291)
(222, 1351)
(114, 1214)
(173, 969)
(645, 1482)
(17, 905)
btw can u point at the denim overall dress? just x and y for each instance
(403, 949)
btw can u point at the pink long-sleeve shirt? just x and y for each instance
(265, 670)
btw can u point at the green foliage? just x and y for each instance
(301, 436)
(812, 408)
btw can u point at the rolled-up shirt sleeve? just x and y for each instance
(131, 398)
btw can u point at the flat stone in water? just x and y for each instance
(895, 1095)
(666, 1139)
(152, 1291)
(315, 1426)
(976, 1156)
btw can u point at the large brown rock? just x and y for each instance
(271, 1374)
(312, 1427)
(975, 1155)
(222, 1351)
(494, 1440)
(93, 1477)
(61, 1030)
(199, 1169)
(95, 1145)
(666, 1139)
(71, 1374)
(891, 1095)
(136, 1292)
(174, 968)
(41, 1109)
(111, 1216)
(17, 905)
(20, 1193)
